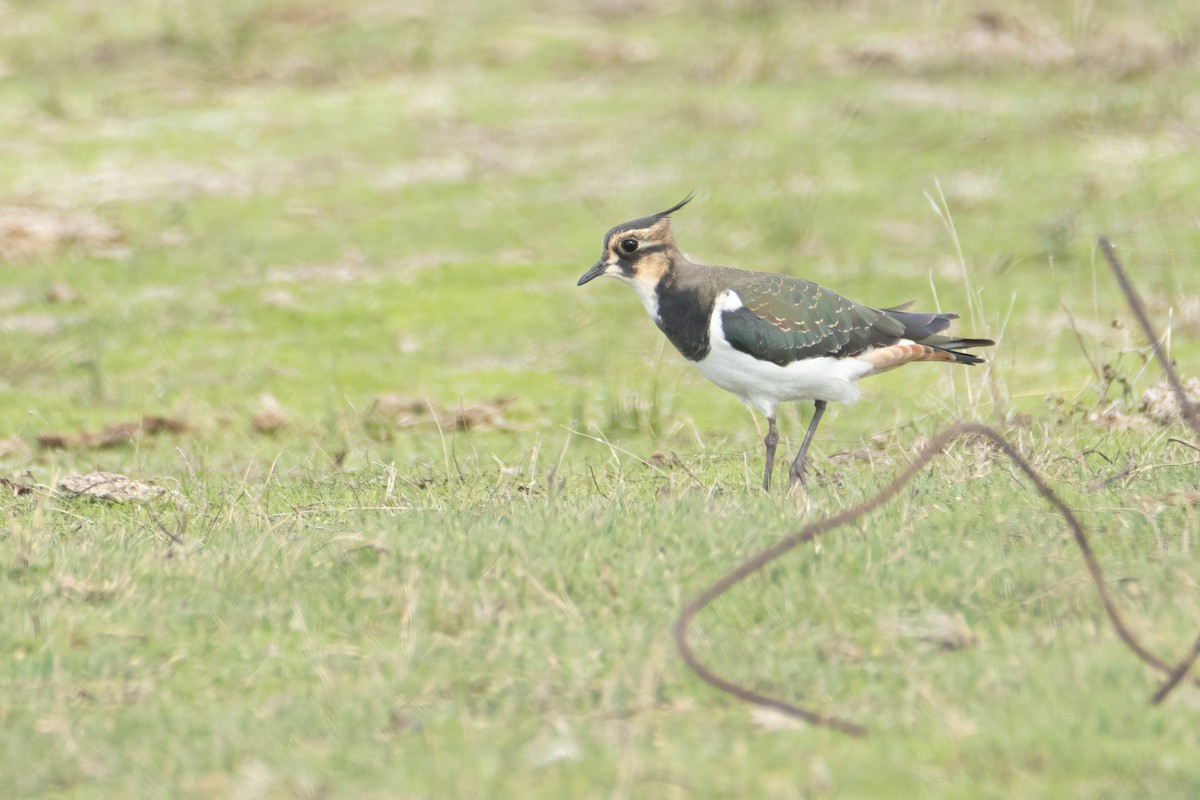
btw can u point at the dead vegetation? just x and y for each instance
(17, 487)
(1160, 404)
(269, 416)
(1158, 407)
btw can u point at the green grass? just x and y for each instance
(332, 203)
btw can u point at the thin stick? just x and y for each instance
(1186, 410)
(1184, 443)
(1177, 674)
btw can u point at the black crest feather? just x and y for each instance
(676, 207)
(646, 222)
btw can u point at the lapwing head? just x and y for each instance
(639, 250)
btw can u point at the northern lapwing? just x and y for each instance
(769, 338)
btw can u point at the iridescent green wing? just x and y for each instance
(785, 319)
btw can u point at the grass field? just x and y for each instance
(429, 510)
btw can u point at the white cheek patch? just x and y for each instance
(645, 288)
(647, 291)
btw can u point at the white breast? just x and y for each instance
(763, 385)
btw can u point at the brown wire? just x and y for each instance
(1177, 674)
(935, 446)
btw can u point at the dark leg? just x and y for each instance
(802, 457)
(771, 439)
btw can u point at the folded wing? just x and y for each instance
(789, 319)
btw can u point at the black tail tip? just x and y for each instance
(967, 358)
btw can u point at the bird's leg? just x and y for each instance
(802, 457)
(770, 440)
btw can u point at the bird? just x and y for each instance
(770, 338)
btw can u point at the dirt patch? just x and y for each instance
(160, 179)
(454, 168)
(112, 436)
(269, 415)
(948, 630)
(109, 486)
(60, 292)
(991, 37)
(347, 269)
(70, 586)
(314, 15)
(38, 324)
(30, 232)
(402, 411)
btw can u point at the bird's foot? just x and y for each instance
(798, 475)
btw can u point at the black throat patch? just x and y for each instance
(683, 315)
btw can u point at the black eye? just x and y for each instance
(629, 245)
